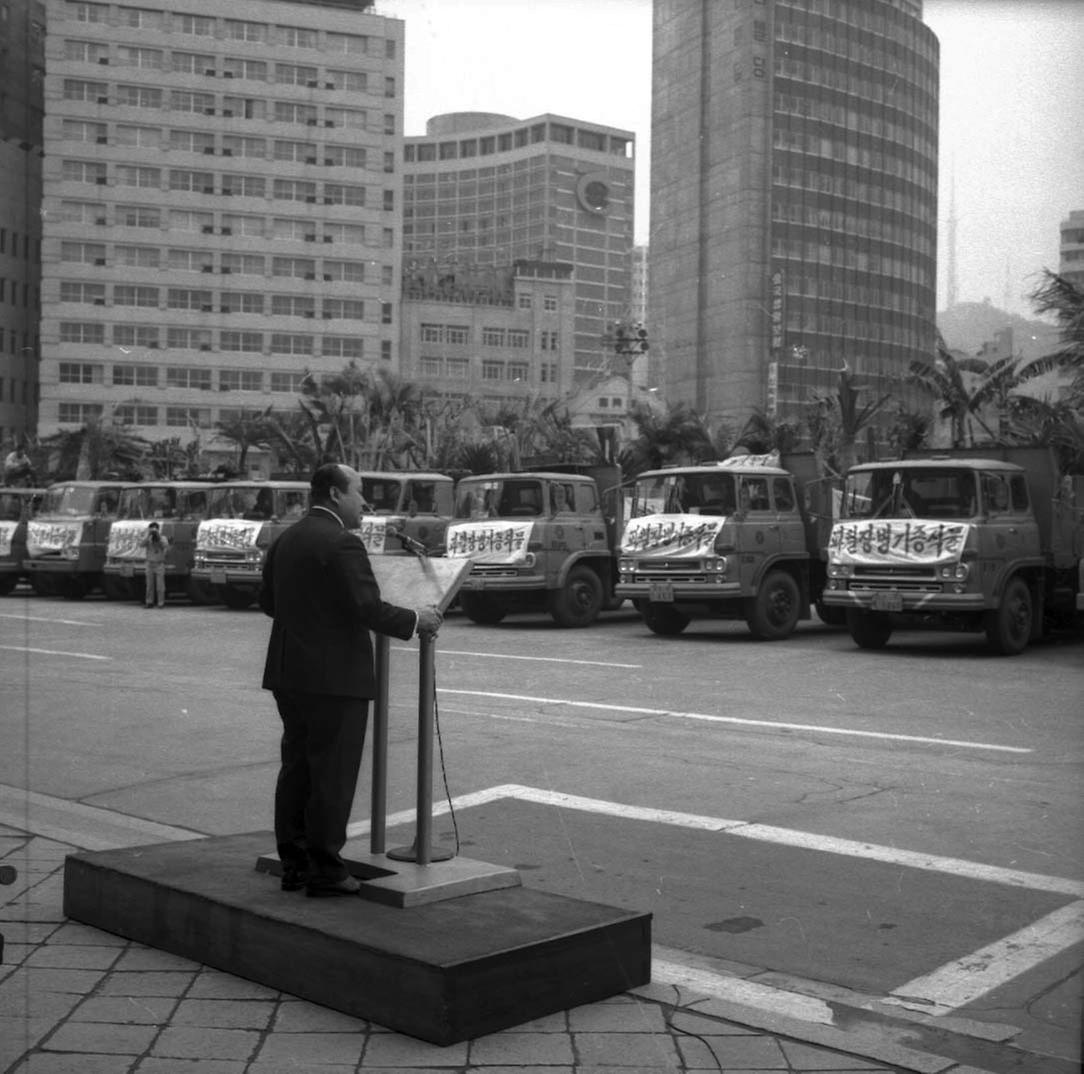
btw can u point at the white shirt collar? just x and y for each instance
(327, 510)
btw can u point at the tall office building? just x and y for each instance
(1071, 253)
(486, 190)
(794, 199)
(220, 203)
(22, 75)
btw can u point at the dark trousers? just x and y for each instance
(322, 741)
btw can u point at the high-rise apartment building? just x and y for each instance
(221, 198)
(1071, 253)
(486, 190)
(22, 75)
(794, 199)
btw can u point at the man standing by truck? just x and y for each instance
(155, 544)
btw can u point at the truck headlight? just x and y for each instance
(624, 565)
(957, 572)
(71, 552)
(716, 565)
(839, 570)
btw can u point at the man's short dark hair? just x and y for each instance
(328, 476)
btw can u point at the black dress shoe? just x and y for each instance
(293, 878)
(347, 886)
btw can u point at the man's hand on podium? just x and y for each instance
(429, 620)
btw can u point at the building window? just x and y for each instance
(188, 339)
(90, 294)
(79, 413)
(81, 332)
(136, 335)
(457, 333)
(240, 380)
(289, 343)
(351, 309)
(385, 313)
(80, 373)
(523, 301)
(188, 416)
(139, 216)
(131, 414)
(140, 96)
(432, 333)
(549, 302)
(125, 295)
(247, 342)
(431, 367)
(193, 378)
(286, 382)
(458, 369)
(493, 337)
(351, 271)
(492, 370)
(548, 341)
(293, 305)
(241, 302)
(385, 350)
(136, 376)
(517, 371)
(342, 347)
(519, 338)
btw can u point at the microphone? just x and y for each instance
(415, 548)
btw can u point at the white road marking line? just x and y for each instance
(53, 652)
(540, 659)
(738, 990)
(48, 619)
(966, 979)
(937, 993)
(84, 826)
(633, 710)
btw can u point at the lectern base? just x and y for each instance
(444, 972)
(401, 882)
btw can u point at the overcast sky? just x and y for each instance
(1012, 106)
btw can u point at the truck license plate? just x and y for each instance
(661, 593)
(887, 602)
(218, 577)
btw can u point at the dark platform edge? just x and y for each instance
(582, 952)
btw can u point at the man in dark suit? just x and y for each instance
(319, 588)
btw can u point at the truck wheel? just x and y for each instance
(479, 608)
(74, 588)
(43, 585)
(236, 598)
(773, 613)
(830, 615)
(116, 588)
(8, 583)
(200, 592)
(663, 619)
(578, 602)
(870, 630)
(1008, 627)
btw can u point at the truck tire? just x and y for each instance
(201, 592)
(830, 614)
(663, 619)
(578, 602)
(773, 613)
(74, 588)
(236, 598)
(8, 582)
(870, 630)
(479, 608)
(1008, 626)
(116, 588)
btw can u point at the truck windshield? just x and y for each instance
(510, 498)
(910, 492)
(11, 507)
(383, 495)
(683, 493)
(257, 503)
(148, 501)
(76, 500)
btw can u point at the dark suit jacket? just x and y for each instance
(319, 588)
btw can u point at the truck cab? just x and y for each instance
(242, 519)
(17, 506)
(414, 505)
(66, 542)
(178, 507)
(724, 541)
(536, 541)
(957, 541)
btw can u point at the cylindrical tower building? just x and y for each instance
(794, 200)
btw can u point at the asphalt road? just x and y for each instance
(904, 822)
